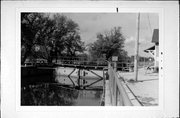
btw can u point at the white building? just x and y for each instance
(154, 50)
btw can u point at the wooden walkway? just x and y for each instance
(132, 98)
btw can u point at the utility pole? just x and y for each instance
(136, 57)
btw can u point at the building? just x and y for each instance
(154, 50)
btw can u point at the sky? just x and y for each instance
(92, 23)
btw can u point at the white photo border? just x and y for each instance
(168, 60)
(159, 11)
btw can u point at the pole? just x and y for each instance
(79, 78)
(115, 66)
(137, 49)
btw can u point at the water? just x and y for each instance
(85, 97)
(58, 95)
(88, 98)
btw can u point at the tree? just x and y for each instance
(36, 30)
(67, 36)
(73, 44)
(53, 34)
(110, 43)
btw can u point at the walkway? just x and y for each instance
(141, 93)
(130, 95)
(146, 89)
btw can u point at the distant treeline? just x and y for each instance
(52, 35)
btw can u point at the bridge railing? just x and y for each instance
(118, 95)
(83, 62)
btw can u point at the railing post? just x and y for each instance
(113, 88)
(125, 99)
(104, 82)
(117, 95)
(120, 99)
(115, 91)
(110, 80)
(115, 66)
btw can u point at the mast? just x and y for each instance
(136, 57)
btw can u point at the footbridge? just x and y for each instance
(115, 90)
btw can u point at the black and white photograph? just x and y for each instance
(89, 59)
(111, 59)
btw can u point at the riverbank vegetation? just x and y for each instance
(48, 36)
(52, 35)
(108, 44)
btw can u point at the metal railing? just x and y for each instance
(122, 65)
(81, 62)
(118, 95)
(77, 62)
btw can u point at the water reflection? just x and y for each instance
(51, 95)
(35, 92)
(47, 94)
(88, 98)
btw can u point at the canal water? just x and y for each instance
(59, 94)
(88, 98)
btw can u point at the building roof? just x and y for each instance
(155, 37)
(149, 49)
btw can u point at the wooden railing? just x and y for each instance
(76, 62)
(118, 95)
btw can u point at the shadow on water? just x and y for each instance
(51, 95)
(44, 94)
(88, 98)
(39, 88)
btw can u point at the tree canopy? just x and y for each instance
(108, 44)
(48, 36)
